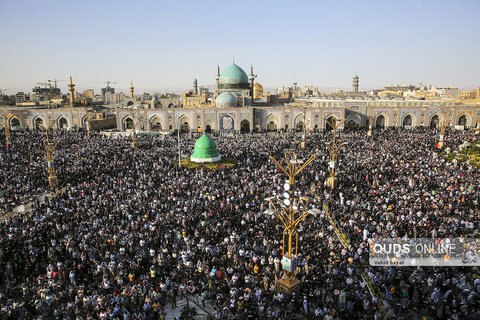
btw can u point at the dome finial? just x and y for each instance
(233, 59)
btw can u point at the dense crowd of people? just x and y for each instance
(130, 232)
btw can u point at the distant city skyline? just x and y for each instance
(166, 45)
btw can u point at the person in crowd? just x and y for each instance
(126, 237)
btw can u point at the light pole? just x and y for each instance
(178, 144)
(178, 137)
(6, 119)
(89, 122)
(290, 212)
(134, 135)
(445, 112)
(334, 147)
(477, 129)
(49, 148)
(370, 122)
(304, 142)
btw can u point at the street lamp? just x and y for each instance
(89, 121)
(178, 136)
(134, 135)
(290, 211)
(334, 147)
(445, 111)
(50, 147)
(178, 143)
(370, 122)
(477, 129)
(6, 118)
(303, 144)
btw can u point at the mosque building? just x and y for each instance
(234, 86)
(239, 104)
(230, 108)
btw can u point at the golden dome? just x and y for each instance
(257, 91)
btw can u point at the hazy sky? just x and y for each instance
(166, 44)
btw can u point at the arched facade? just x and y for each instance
(128, 124)
(380, 122)
(209, 126)
(129, 102)
(408, 121)
(299, 123)
(14, 122)
(434, 121)
(353, 121)
(462, 120)
(62, 123)
(185, 123)
(37, 123)
(272, 123)
(276, 118)
(85, 122)
(330, 121)
(245, 126)
(155, 123)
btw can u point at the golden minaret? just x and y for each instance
(71, 88)
(131, 90)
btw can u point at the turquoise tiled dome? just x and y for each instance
(226, 99)
(233, 75)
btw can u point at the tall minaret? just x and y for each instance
(252, 80)
(195, 86)
(71, 88)
(355, 84)
(218, 76)
(131, 90)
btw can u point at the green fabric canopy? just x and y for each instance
(205, 150)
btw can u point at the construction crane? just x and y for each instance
(107, 89)
(46, 84)
(49, 84)
(108, 83)
(52, 85)
(55, 81)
